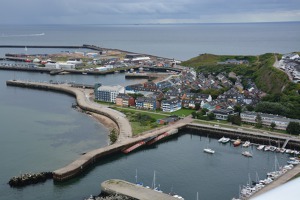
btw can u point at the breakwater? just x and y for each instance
(29, 178)
(84, 46)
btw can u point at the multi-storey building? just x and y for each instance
(108, 93)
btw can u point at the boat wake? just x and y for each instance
(24, 35)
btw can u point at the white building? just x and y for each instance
(60, 65)
(267, 119)
(108, 93)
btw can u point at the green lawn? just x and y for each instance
(137, 128)
(183, 112)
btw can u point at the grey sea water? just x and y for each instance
(40, 131)
(171, 41)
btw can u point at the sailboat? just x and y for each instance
(153, 184)
(136, 179)
(208, 150)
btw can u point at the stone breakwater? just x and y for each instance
(29, 178)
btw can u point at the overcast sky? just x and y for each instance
(147, 11)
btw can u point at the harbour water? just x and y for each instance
(41, 132)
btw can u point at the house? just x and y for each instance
(171, 105)
(190, 103)
(168, 120)
(150, 85)
(222, 114)
(125, 100)
(164, 84)
(146, 103)
(108, 93)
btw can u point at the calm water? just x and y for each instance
(172, 41)
(40, 131)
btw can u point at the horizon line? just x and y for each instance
(181, 23)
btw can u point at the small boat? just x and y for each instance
(224, 140)
(91, 198)
(293, 162)
(260, 147)
(267, 148)
(237, 142)
(208, 150)
(84, 73)
(282, 150)
(272, 148)
(246, 144)
(246, 153)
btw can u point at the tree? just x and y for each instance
(258, 121)
(238, 108)
(293, 128)
(235, 119)
(249, 107)
(273, 125)
(211, 116)
(197, 106)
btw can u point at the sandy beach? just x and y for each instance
(107, 122)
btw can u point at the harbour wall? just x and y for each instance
(274, 139)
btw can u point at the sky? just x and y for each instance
(147, 11)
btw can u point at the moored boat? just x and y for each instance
(260, 147)
(208, 150)
(246, 153)
(246, 144)
(224, 140)
(237, 142)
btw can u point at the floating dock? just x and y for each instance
(116, 186)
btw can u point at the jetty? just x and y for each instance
(116, 186)
(126, 140)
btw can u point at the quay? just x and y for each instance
(116, 186)
(126, 140)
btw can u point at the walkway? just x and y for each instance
(125, 188)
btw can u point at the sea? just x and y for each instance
(40, 131)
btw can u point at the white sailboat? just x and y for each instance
(136, 179)
(154, 184)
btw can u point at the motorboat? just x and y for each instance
(246, 144)
(293, 162)
(267, 148)
(272, 148)
(247, 154)
(208, 150)
(237, 142)
(260, 147)
(224, 140)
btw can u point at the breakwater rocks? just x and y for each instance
(29, 179)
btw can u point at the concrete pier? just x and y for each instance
(116, 186)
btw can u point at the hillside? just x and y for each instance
(282, 93)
